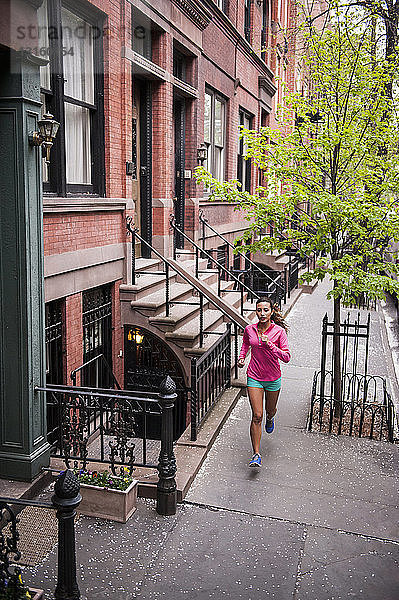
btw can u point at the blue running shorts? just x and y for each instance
(271, 386)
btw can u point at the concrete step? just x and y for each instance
(187, 336)
(180, 315)
(209, 340)
(148, 264)
(154, 303)
(145, 285)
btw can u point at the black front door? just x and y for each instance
(145, 173)
(180, 154)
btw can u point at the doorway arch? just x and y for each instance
(148, 360)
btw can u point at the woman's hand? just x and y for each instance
(241, 363)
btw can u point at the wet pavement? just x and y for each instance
(319, 521)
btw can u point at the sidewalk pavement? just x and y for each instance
(319, 521)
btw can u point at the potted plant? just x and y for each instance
(107, 496)
(12, 587)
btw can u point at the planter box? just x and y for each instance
(115, 505)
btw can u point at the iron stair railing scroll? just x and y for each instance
(275, 287)
(168, 269)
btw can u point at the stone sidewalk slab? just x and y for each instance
(336, 565)
(220, 554)
(342, 483)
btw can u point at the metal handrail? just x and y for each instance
(220, 267)
(89, 362)
(254, 265)
(201, 293)
(295, 245)
(206, 389)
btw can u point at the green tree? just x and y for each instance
(331, 167)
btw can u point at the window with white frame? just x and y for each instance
(214, 133)
(72, 90)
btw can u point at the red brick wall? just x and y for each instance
(73, 334)
(75, 231)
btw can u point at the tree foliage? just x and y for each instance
(331, 165)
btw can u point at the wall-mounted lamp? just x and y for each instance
(45, 137)
(135, 336)
(202, 154)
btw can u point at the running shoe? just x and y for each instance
(256, 461)
(269, 425)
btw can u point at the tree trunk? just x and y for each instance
(337, 358)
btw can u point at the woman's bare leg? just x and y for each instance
(255, 430)
(271, 403)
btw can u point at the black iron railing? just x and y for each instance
(298, 259)
(100, 363)
(65, 500)
(366, 407)
(354, 355)
(104, 426)
(199, 300)
(257, 280)
(246, 293)
(210, 376)
(101, 425)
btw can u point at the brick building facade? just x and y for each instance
(138, 88)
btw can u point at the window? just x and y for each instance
(142, 34)
(179, 65)
(97, 335)
(71, 90)
(243, 165)
(214, 133)
(247, 20)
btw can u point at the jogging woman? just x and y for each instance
(269, 344)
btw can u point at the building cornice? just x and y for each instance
(222, 21)
(267, 85)
(195, 11)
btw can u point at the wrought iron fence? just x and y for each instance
(366, 407)
(354, 355)
(65, 501)
(210, 376)
(103, 425)
(291, 274)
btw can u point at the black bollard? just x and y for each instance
(66, 499)
(166, 487)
